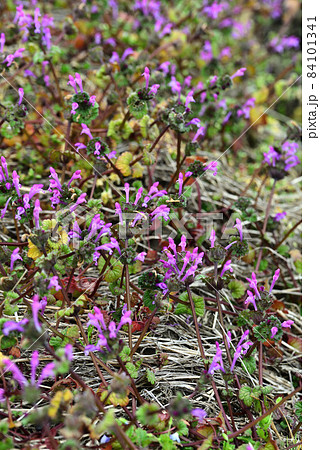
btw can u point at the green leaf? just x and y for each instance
(148, 299)
(198, 305)
(237, 288)
(125, 354)
(166, 443)
(147, 414)
(143, 438)
(245, 395)
(283, 250)
(151, 376)
(298, 410)
(298, 266)
(114, 272)
(250, 364)
(132, 369)
(7, 342)
(183, 428)
(266, 390)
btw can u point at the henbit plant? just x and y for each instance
(110, 166)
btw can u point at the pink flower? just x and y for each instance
(212, 238)
(238, 226)
(200, 132)
(274, 279)
(212, 166)
(140, 257)
(74, 107)
(189, 99)
(86, 130)
(238, 73)
(36, 213)
(146, 75)
(251, 299)
(21, 94)
(54, 284)
(274, 331)
(14, 257)
(2, 42)
(226, 267)
(15, 180)
(287, 324)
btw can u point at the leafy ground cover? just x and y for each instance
(150, 241)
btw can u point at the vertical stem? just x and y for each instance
(196, 324)
(178, 150)
(128, 305)
(260, 363)
(266, 221)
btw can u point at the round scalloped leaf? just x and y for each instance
(245, 395)
(237, 288)
(123, 163)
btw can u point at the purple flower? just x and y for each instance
(180, 181)
(21, 94)
(251, 299)
(238, 226)
(189, 99)
(175, 86)
(54, 182)
(212, 238)
(165, 67)
(217, 362)
(227, 266)
(75, 82)
(253, 284)
(194, 121)
(118, 211)
(75, 176)
(36, 307)
(10, 58)
(212, 166)
(245, 109)
(2, 42)
(81, 199)
(280, 216)
(10, 326)
(206, 52)
(154, 89)
(287, 324)
(161, 211)
(241, 349)
(4, 210)
(274, 331)
(238, 73)
(200, 132)
(199, 413)
(141, 256)
(74, 106)
(36, 213)
(54, 284)
(14, 257)
(15, 181)
(47, 371)
(146, 75)
(86, 130)
(274, 279)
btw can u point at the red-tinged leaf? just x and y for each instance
(79, 285)
(295, 342)
(137, 326)
(278, 305)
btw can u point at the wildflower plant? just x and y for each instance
(150, 267)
